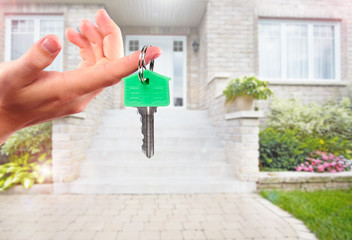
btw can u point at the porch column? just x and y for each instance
(242, 144)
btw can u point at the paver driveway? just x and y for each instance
(134, 217)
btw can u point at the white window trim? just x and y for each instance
(36, 19)
(309, 23)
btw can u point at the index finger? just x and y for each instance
(112, 39)
(90, 79)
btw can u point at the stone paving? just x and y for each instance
(153, 217)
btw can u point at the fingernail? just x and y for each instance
(50, 45)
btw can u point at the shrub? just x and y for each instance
(324, 162)
(29, 157)
(285, 150)
(281, 150)
(321, 121)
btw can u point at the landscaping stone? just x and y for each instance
(304, 180)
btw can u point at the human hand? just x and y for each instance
(29, 95)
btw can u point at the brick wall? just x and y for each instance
(229, 44)
(229, 49)
(72, 134)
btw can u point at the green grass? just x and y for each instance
(327, 213)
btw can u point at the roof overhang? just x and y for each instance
(152, 13)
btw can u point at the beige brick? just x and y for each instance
(171, 235)
(193, 235)
(150, 235)
(128, 235)
(111, 235)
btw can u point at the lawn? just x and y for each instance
(327, 213)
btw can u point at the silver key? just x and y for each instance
(147, 119)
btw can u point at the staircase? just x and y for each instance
(188, 157)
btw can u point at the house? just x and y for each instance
(303, 48)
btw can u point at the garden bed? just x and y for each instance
(35, 189)
(304, 180)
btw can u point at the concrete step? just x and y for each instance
(94, 169)
(161, 185)
(160, 142)
(159, 154)
(130, 131)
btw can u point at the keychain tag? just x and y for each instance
(154, 91)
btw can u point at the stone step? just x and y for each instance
(170, 112)
(172, 154)
(107, 131)
(156, 185)
(147, 168)
(160, 142)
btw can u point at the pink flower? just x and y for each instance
(333, 170)
(320, 168)
(298, 168)
(325, 157)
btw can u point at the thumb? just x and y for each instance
(37, 58)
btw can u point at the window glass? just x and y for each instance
(22, 37)
(178, 79)
(324, 54)
(270, 50)
(297, 50)
(25, 30)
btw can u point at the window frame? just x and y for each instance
(283, 51)
(36, 18)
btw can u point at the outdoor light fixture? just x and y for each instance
(195, 46)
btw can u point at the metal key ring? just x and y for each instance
(142, 65)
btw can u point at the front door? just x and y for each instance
(171, 63)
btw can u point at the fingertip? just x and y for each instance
(51, 44)
(103, 13)
(153, 53)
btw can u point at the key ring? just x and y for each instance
(141, 64)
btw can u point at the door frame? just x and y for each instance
(172, 38)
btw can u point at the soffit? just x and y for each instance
(152, 13)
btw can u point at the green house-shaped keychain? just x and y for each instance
(153, 93)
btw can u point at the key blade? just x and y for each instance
(147, 119)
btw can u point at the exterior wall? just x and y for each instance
(229, 49)
(193, 83)
(229, 44)
(317, 92)
(72, 134)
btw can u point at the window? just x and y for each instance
(178, 46)
(134, 45)
(23, 31)
(305, 50)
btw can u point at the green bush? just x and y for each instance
(29, 157)
(295, 130)
(281, 150)
(322, 121)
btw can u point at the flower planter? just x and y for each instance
(244, 103)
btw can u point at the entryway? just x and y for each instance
(171, 63)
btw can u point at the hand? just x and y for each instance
(29, 95)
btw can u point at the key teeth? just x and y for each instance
(143, 114)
